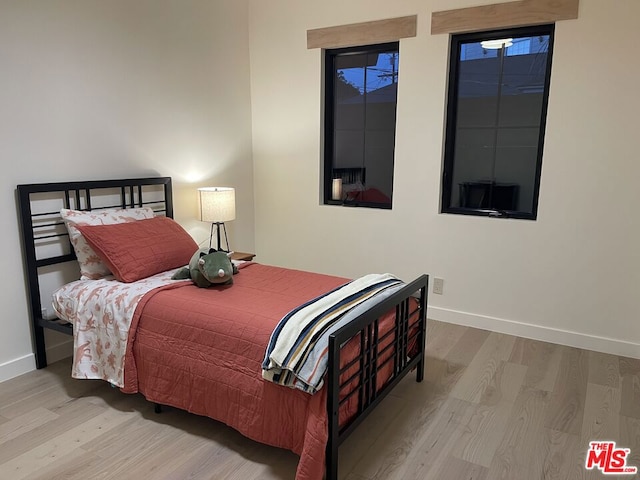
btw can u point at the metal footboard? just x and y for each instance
(392, 353)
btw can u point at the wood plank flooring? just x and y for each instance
(491, 406)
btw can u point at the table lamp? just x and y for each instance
(217, 206)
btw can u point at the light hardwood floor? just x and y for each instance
(492, 406)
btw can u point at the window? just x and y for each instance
(496, 112)
(360, 124)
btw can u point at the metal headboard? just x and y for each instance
(45, 228)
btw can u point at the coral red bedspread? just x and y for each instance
(201, 350)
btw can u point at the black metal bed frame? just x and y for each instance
(388, 351)
(40, 227)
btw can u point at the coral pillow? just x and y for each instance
(137, 250)
(91, 267)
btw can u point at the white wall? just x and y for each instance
(97, 89)
(570, 277)
(112, 89)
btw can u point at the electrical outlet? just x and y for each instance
(43, 313)
(438, 286)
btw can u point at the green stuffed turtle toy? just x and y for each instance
(208, 267)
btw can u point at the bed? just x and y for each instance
(202, 350)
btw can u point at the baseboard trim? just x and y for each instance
(16, 367)
(537, 332)
(27, 363)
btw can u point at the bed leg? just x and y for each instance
(331, 464)
(422, 338)
(420, 370)
(41, 353)
(157, 408)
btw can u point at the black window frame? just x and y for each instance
(451, 119)
(330, 56)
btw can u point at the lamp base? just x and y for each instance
(219, 225)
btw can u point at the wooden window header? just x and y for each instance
(503, 15)
(365, 33)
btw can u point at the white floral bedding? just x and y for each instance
(101, 312)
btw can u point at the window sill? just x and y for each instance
(489, 213)
(345, 203)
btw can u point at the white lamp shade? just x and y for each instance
(217, 204)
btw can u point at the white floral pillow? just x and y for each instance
(91, 266)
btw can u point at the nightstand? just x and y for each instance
(242, 256)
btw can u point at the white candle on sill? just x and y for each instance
(336, 189)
